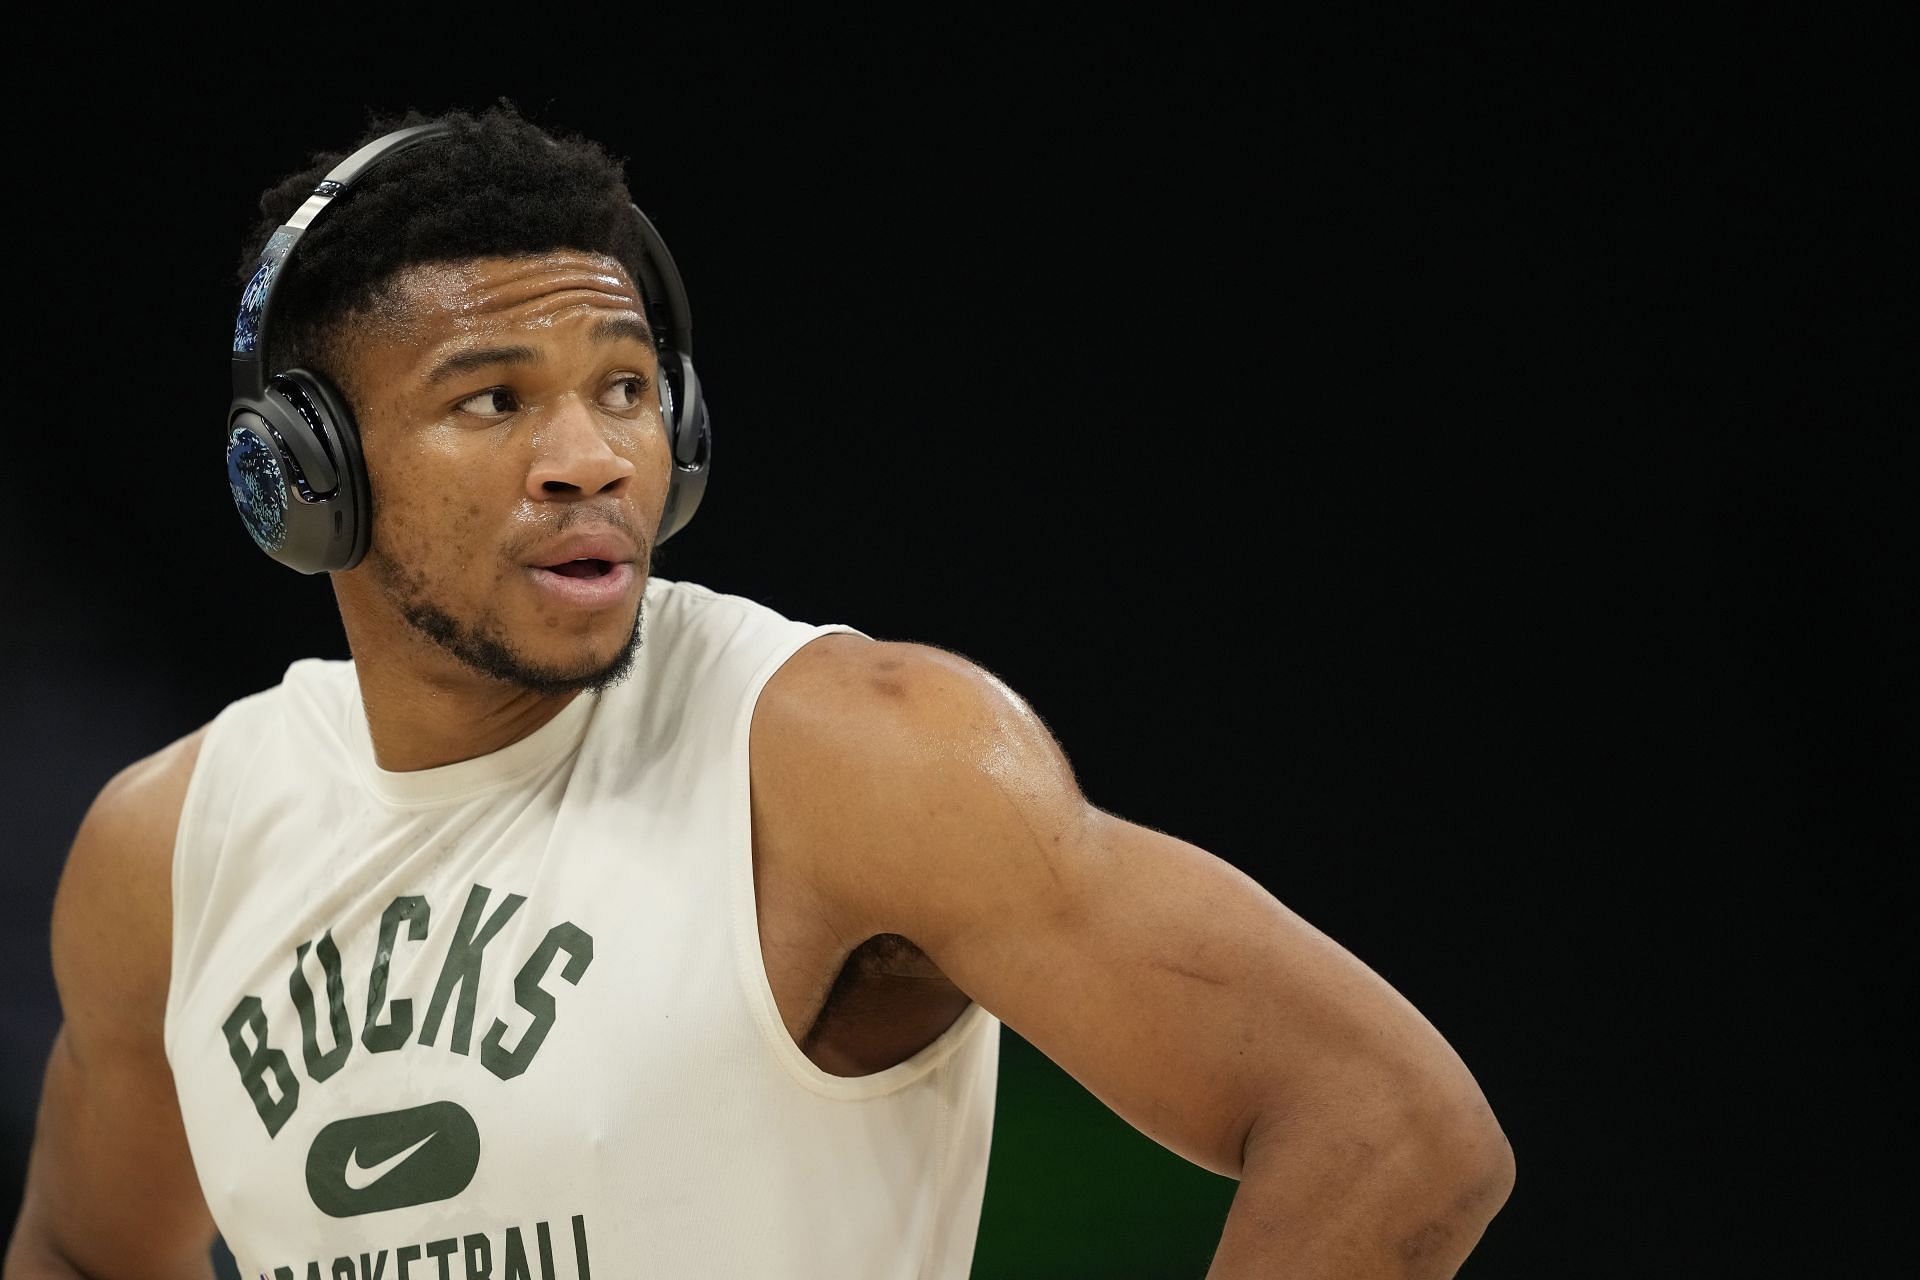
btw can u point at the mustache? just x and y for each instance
(591, 515)
(585, 513)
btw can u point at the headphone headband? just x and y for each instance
(249, 378)
(667, 308)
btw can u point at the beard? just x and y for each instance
(483, 645)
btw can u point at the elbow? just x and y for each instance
(1441, 1107)
(1470, 1174)
(1454, 1166)
(1461, 1122)
(1487, 1158)
(1503, 1166)
(1469, 1162)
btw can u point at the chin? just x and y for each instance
(589, 678)
(590, 664)
(557, 667)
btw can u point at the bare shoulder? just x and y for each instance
(112, 914)
(853, 702)
(148, 791)
(886, 772)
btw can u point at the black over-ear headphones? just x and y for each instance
(293, 452)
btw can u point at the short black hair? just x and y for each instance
(496, 185)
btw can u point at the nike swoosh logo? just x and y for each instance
(359, 1177)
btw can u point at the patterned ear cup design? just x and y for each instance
(298, 480)
(259, 485)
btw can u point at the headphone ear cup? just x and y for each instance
(297, 475)
(690, 435)
(350, 524)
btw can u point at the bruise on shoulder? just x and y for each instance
(886, 679)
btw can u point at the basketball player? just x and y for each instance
(589, 923)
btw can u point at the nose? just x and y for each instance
(572, 456)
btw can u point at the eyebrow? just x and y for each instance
(614, 329)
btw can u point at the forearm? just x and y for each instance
(1406, 1205)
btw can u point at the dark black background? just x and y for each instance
(1449, 470)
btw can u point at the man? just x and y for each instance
(590, 923)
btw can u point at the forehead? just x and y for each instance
(434, 313)
(440, 299)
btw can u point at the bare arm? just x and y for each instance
(111, 1192)
(929, 801)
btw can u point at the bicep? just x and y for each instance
(1177, 989)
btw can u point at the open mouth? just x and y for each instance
(584, 568)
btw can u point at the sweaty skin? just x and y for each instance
(919, 840)
(477, 468)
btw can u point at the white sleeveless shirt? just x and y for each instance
(508, 1018)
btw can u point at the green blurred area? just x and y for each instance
(1075, 1191)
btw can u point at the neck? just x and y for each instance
(421, 723)
(425, 708)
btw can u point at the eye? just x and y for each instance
(628, 391)
(494, 402)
